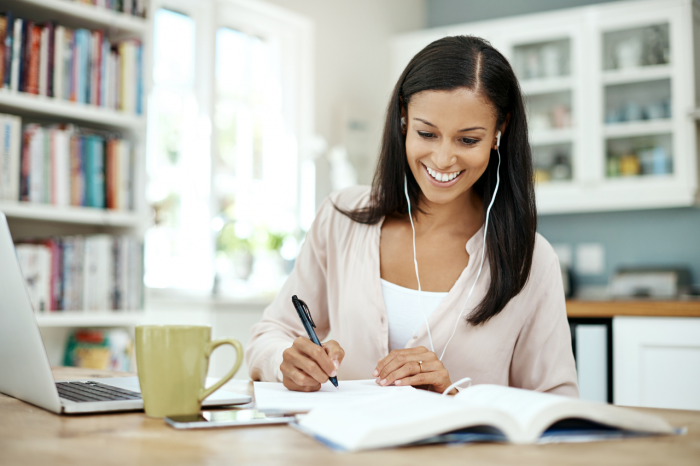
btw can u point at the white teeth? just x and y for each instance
(442, 177)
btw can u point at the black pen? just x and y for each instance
(308, 322)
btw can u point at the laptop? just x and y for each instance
(25, 373)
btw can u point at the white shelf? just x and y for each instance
(48, 106)
(545, 137)
(638, 128)
(64, 11)
(636, 75)
(546, 85)
(80, 215)
(89, 319)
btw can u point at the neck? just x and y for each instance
(464, 215)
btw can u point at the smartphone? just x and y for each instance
(232, 418)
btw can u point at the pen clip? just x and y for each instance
(307, 312)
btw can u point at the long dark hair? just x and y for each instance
(468, 62)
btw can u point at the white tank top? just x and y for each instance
(406, 310)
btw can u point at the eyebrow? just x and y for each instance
(460, 131)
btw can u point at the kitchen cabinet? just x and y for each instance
(656, 362)
(609, 90)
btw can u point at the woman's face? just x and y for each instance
(449, 137)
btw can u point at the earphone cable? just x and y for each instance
(483, 249)
(415, 263)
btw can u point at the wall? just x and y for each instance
(352, 69)
(649, 237)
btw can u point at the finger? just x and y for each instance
(310, 368)
(424, 378)
(392, 355)
(335, 352)
(295, 379)
(317, 354)
(402, 372)
(403, 359)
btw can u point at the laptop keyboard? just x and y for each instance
(93, 391)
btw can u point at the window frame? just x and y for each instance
(253, 17)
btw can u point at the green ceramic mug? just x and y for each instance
(172, 363)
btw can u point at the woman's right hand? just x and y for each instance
(305, 366)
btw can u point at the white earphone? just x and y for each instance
(483, 255)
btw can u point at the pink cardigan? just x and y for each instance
(527, 345)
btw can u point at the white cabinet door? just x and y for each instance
(656, 362)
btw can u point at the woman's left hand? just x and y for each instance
(403, 367)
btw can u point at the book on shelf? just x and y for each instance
(64, 165)
(73, 64)
(89, 273)
(129, 7)
(10, 144)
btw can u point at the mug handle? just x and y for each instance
(211, 346)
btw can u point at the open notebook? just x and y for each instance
(478, 413)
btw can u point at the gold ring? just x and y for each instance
(420, 363)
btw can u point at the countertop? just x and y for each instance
(644, 308)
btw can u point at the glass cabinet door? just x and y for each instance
(544, 71)
(637, 102)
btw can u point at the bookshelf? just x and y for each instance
(36, 220)
(77, 215)
(80, 14)
(48, 107)
(84, 319)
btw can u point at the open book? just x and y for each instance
(478, 413)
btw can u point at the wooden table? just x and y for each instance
(32, 436)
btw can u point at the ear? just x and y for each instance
(404, 118)
(502, 129)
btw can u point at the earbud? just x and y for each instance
(498, 140)
(403, 122)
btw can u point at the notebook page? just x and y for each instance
(275, 396)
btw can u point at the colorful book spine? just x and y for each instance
(9, 47)
(10, 147)
(94, 172)
(3, 52)
(33, 57)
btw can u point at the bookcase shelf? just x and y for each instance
(90, 319)
(68, 214)
(89, 16)
(30, 104)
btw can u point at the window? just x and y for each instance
(229, 118)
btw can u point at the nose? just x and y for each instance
(444, 157)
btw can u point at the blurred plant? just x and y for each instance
(236, 236)
(230, 242)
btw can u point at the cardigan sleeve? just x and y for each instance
(280, 325)
(543, 358)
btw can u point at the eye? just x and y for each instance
(469, 141)
(426, 135)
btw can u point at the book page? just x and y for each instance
(275, 396)
(534, 412)
(523, 406)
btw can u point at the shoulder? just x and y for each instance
(329, 218)
(351, 198)
(545, 273)
(347, 199)
(543, 257)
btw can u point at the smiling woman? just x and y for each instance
(455, 148)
